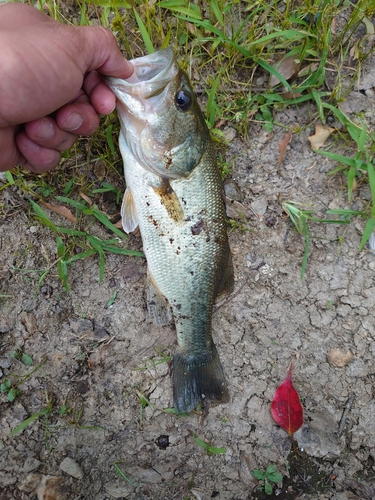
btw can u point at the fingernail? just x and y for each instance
(73, 122)
(45, 129)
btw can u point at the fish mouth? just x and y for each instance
(152, 74)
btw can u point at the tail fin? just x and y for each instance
(197, 378)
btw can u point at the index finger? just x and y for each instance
(103, 54)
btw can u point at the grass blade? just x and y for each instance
(209, 449)
(306, 252)
(211, 105)
(351, 176)
(144, 33)
(122, 475)
(73, 203)
(371, 180)
(28, 421)
(42, 216)
(110, 140)
(369, 228)
(108, 224)
(218, 14)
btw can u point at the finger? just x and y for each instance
(37, 158)
(79, 118)
(10, 156)
(104, 54)
(45, 133)
(101, 97)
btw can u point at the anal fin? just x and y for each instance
(225, 282)
(157, 305)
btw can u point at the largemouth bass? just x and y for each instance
(174, 194)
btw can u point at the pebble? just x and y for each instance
(116, 491)
(229, 133)
(339, 358)
(5, 362)
(81, 326)
(31, 464)
(232, 191)
(260, 206)
(71, 467)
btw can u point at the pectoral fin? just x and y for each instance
(157, 305)
(128, 213)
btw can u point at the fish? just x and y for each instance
(174, 195)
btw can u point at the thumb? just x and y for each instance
(101, 53)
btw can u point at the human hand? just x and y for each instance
(50, 87)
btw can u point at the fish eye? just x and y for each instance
(183, 100)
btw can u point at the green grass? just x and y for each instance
(10, 385)
(222, 45)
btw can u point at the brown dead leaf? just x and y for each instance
(321, 135)
(60, 210)
(286, 67)
(308, 70)
(86, 198)
(282, 147)
(291, 95)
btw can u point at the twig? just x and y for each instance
(345, 414)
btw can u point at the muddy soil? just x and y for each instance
(102, 379)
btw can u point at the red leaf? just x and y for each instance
(286, 408)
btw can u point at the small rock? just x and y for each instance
(149, 476)
(339, 358)
(260, 206)
(5, 362)
(132, 272)
(232, 190)
(116, 491)
(318, 436)
(33, 229)
(31, 464)
(71, 467)
(229, 133)
(82, 327)
(100, 332)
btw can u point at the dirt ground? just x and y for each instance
(106, 384)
